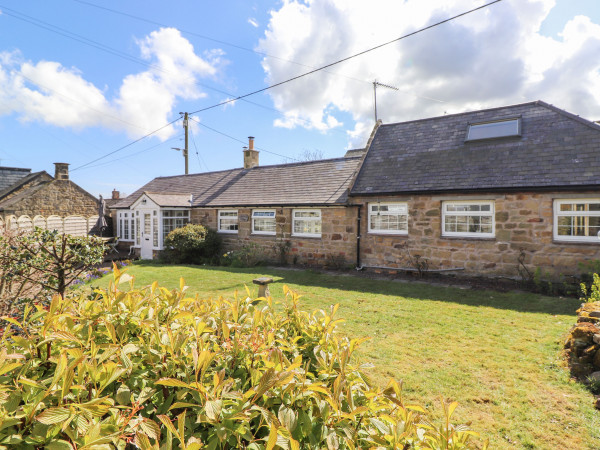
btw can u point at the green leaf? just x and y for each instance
(213, 409)
(54, 415)
(173, 382)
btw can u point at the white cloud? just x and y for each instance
(492, 57)
(49, 92)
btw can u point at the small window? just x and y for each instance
(468, 219)
(263, 221)
(388, 218)
(228, 221)
(494, 129)
(577, 220)
(306, 222)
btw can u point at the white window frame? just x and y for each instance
(228, 211)
(595, 238)
(256, 215)
(125, 219)
(387, 213)
(468, 234)
(164, 217)
(317, 218)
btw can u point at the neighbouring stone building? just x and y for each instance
(38, 199)
(488, 192)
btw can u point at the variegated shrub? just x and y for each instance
(152, 368)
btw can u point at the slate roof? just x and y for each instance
(322, 182)
(174, 200)
(557, 150)
(10, 175)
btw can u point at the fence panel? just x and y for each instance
(55, 223)
(24, 223)
(40, 222)
(76, 226)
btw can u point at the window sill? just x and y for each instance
(469, 238)
(264, 235)
(382, 233)
(227, 232)
(594, 242)
(303, 236)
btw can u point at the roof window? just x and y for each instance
(494, 129)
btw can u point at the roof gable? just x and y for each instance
(556, 149)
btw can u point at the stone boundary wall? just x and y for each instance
(335, 248)
(524, 228)
(582, 347)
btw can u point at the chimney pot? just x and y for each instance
(250, 155)
(61, 171)
(115, 194)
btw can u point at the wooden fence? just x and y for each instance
(73, 225)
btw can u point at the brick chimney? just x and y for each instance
(115, 194)
(250, 155)
(61, 171)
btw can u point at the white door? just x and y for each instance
(146, 251)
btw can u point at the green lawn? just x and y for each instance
(498, 354)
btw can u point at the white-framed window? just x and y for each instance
(577, 220)
(125, 226)
(228, 221)
(494, 129)
(388, 218)
(172, 219)
(263, 221)
(468, 218)
(306, 222)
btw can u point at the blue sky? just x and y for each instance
(81, 79)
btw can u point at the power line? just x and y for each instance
(99, 46)
(136, 153)
(127, 145)
(239, 140)
(218, 41)
(197, 153)
(347, 58)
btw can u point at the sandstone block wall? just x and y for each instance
(336, 246)
(61, 198)
(524, 226)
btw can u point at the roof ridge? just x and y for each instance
(580, 119)
(426, 119)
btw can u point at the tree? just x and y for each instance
(47, 259)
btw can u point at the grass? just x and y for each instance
(498, 354)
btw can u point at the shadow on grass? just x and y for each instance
(353, 282)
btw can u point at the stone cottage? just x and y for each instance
(486, 192)
(304, 204)
(38, 199)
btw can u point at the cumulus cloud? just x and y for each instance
(492, 57)
(48, 92)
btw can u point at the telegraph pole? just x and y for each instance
(184, 150)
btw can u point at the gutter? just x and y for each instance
(499, 190)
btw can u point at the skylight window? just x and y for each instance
(494, 129)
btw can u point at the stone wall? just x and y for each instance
(335, 248)
(61, 198)
(523, 229)
(523, 226)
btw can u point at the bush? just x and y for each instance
(594, 290)
(158, 368)
(192, 244)
(249, 255)
(47, 260)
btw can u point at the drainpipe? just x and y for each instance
(358, 219)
